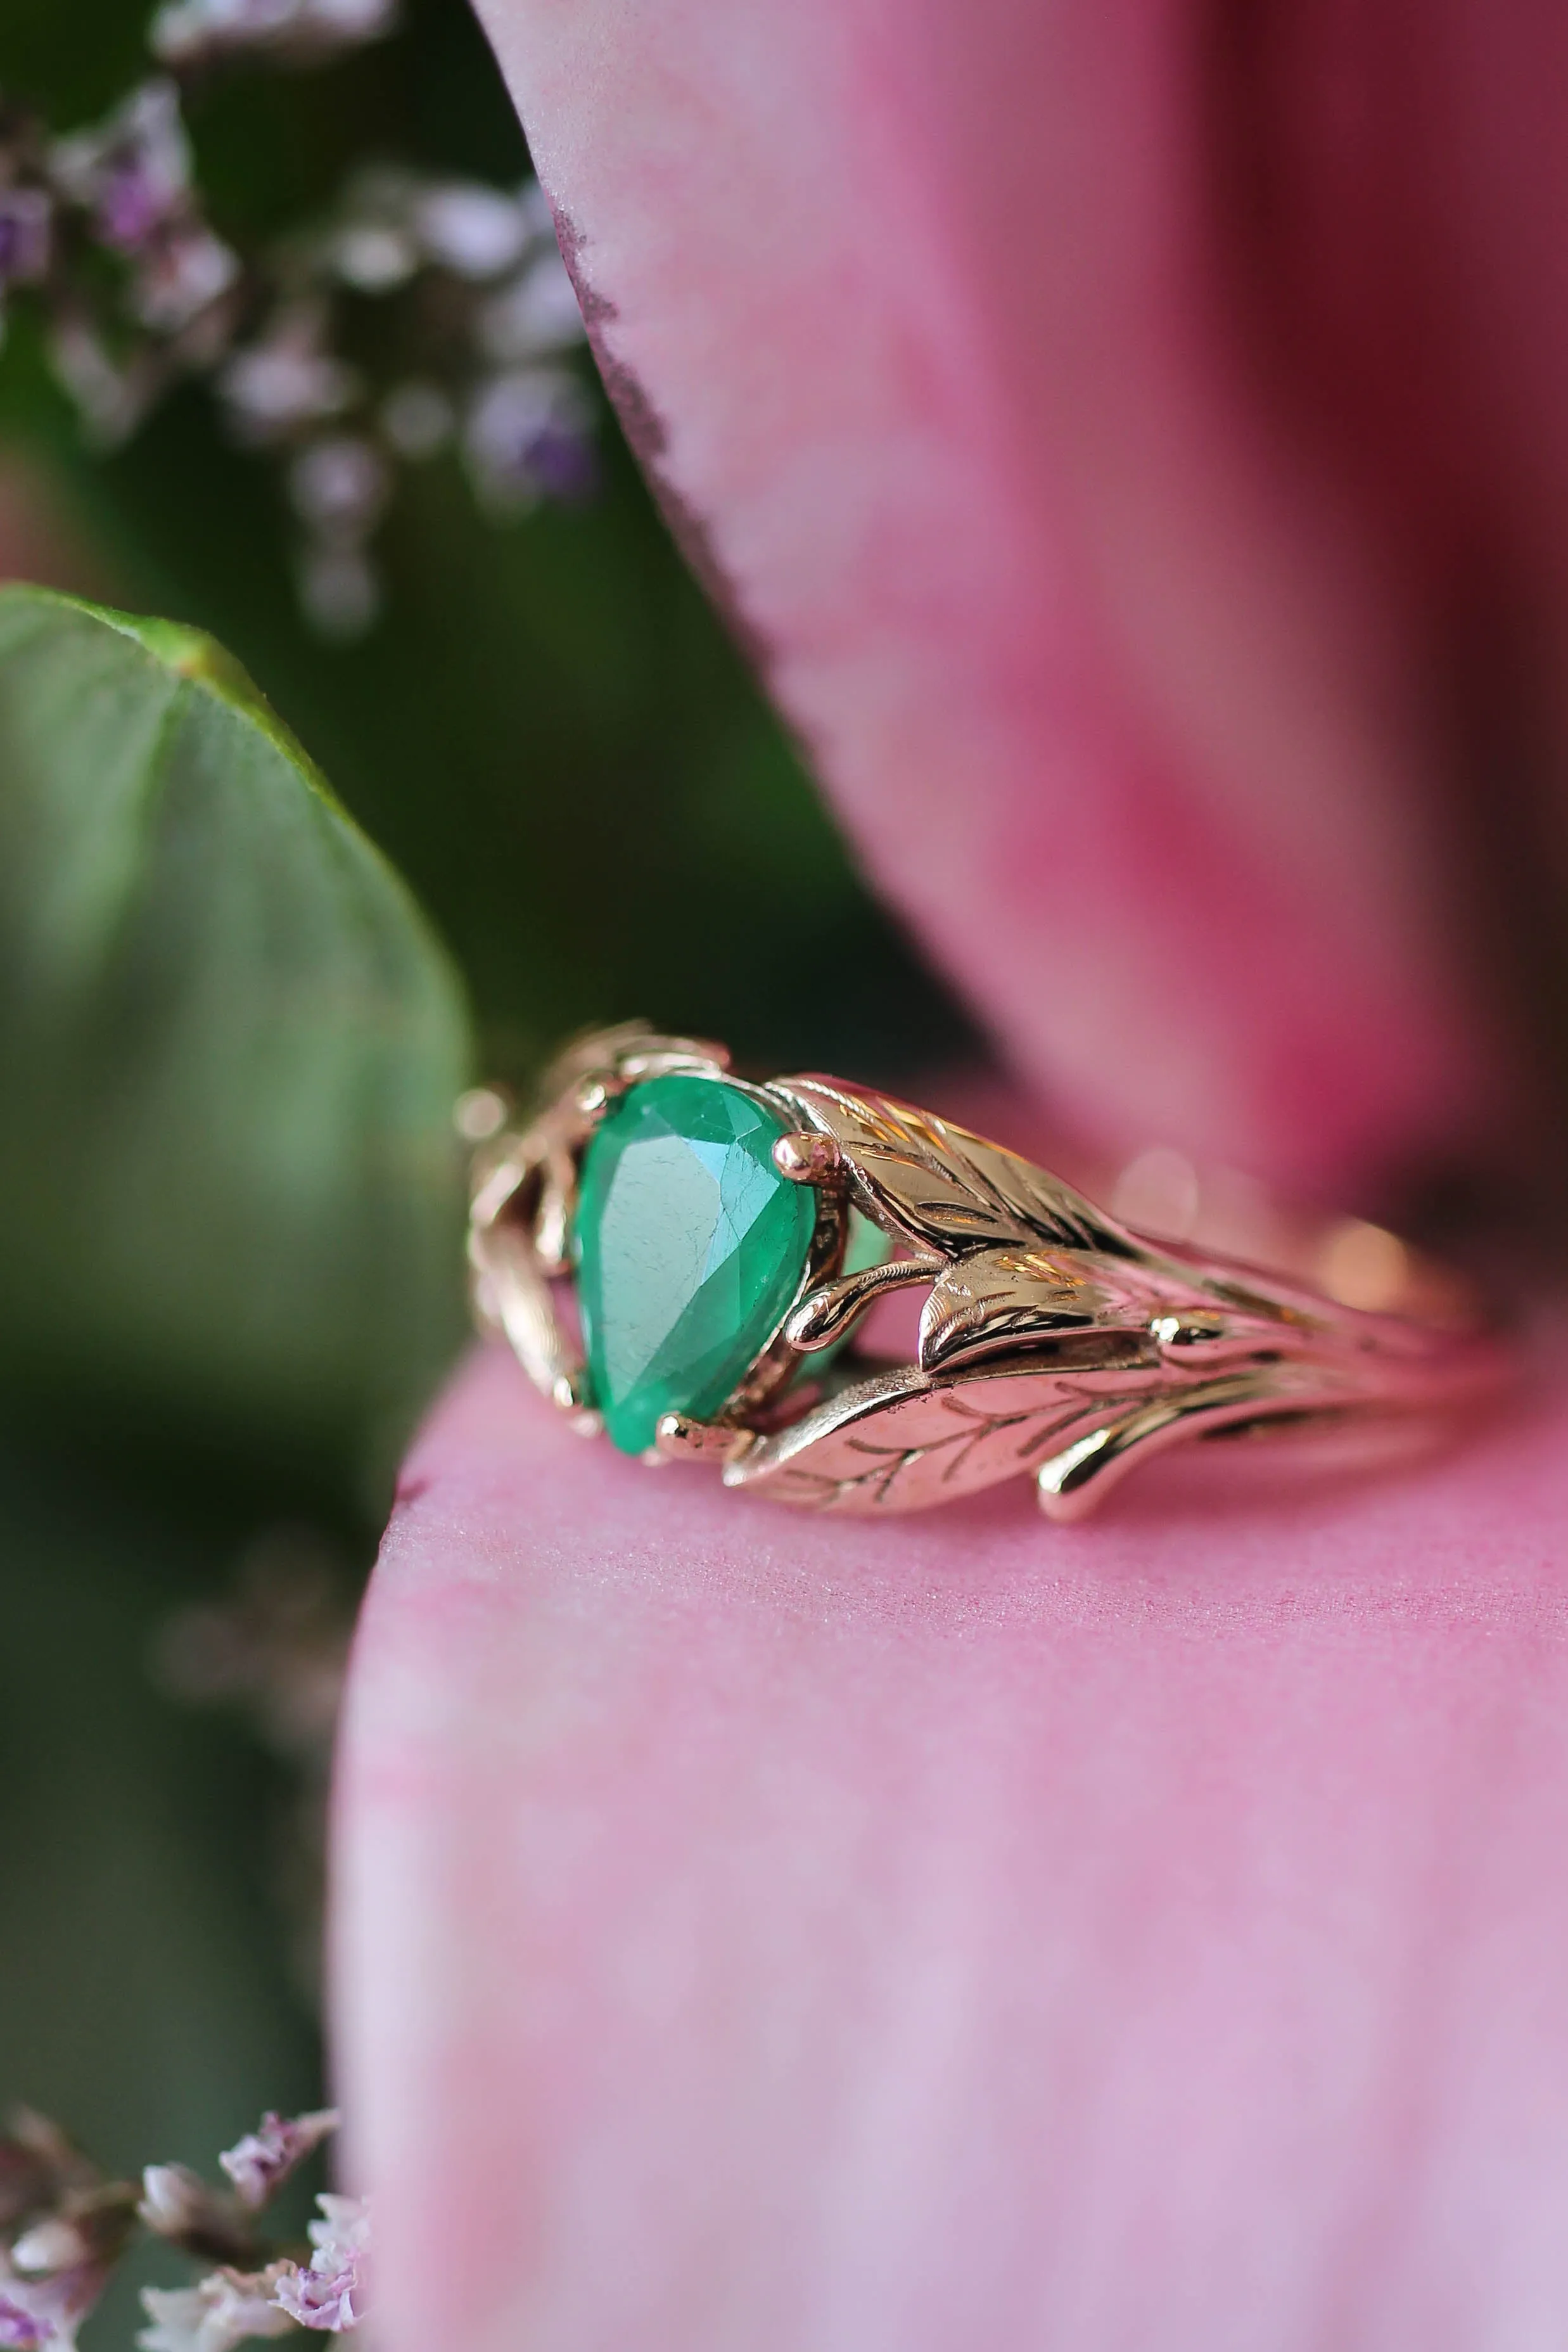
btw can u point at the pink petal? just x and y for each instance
(759, 1934)
(757, 1931)
(1022, 375)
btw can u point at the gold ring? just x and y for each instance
(696, 1267)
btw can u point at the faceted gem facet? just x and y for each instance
(690, 1249)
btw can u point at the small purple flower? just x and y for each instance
(563, 464)
(182, 272)
(46, 2310)
(500, 313)
(133, 174)
(21, 2330)
(263, 2160)
(314, 2299)
(285, 380)
(330, 2294)
(525, 437)
(226, 2308)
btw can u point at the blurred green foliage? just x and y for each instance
(144, 1995)
(229, 1049)
(553, 740)
(549, 732)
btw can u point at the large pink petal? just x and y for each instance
(757, 1933)
(1080, 405)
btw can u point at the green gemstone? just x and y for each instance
(690, 1249)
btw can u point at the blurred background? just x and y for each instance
(524, 699)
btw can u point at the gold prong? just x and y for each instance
(552, 1224)
(1053, 1337)
(497, 1188)
(567, 1395)
(671, 1056)
(553, 1250)
(807, 1157)
(592, 1096)
(678, 1438)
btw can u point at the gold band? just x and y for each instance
(1055, 1339)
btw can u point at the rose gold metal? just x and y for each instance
(678, 1438)
(593, 1096)
(807, 1159)
(1055, 1339)
(832, 1308)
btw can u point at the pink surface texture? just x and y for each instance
(1135, 439)
(760, 1933)
(1104, 418)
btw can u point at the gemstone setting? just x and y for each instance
(690, 1250)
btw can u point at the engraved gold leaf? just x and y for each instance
(941, 1187)
(903, 1440)
(1009, 1297)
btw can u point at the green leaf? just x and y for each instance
(229, 1048)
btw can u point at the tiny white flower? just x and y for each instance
(264, 2158)
(132, 170)
(330, 2294)
(181, 277)
(536, 313)
(183, 32)
(372, 256)
(285, 380)
(477, 232)
(339, 486)
(343, 21)
(53, 2244)
(173, 2199)
(226, 2308)
(42, 2314)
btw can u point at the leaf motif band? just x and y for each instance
(1055, 1340)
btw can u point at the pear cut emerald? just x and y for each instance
(690, 1248)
